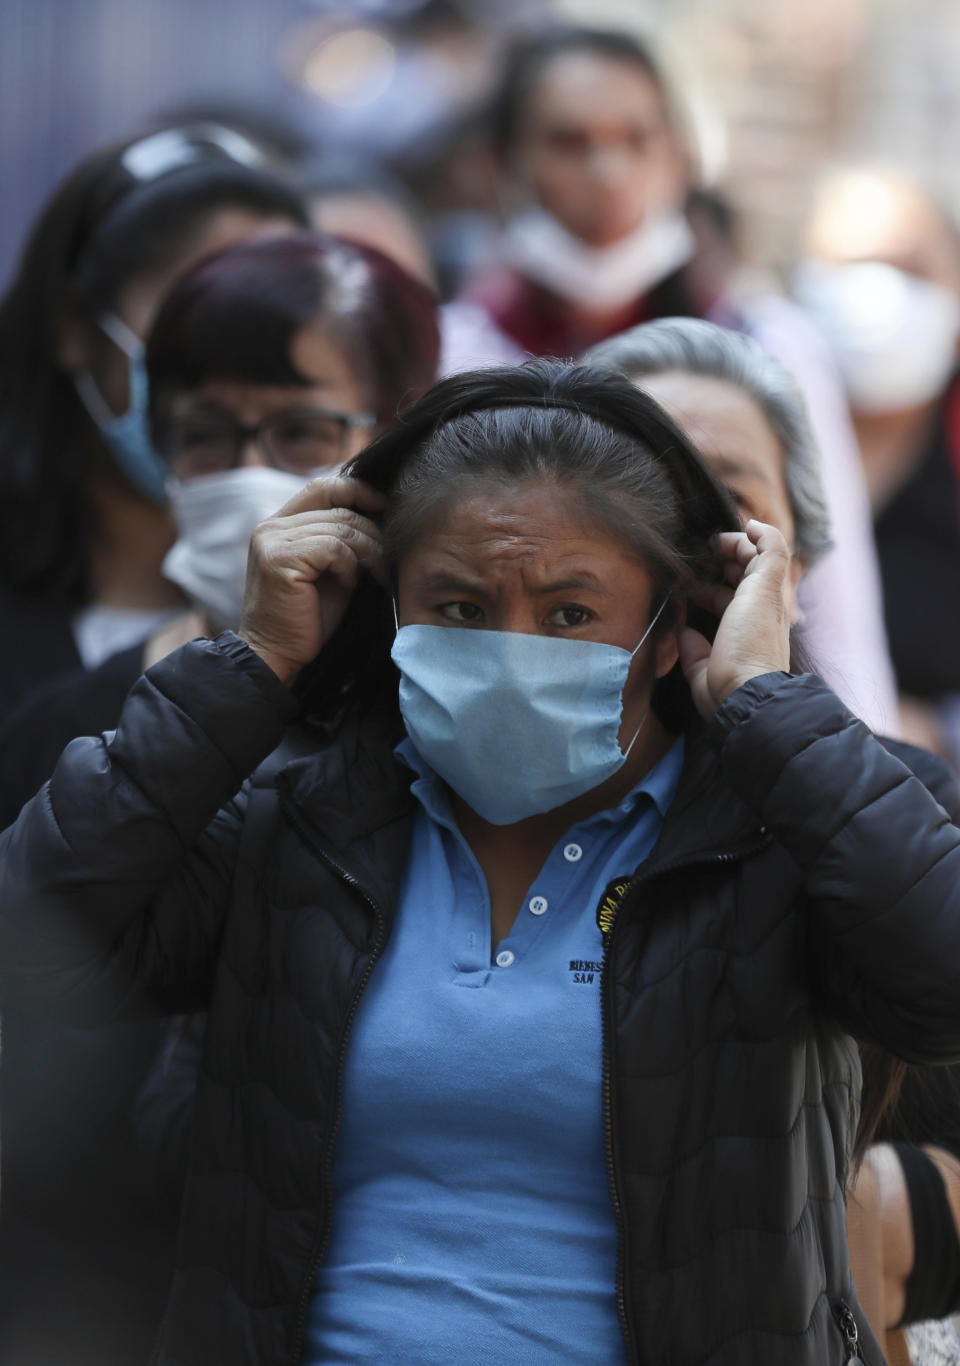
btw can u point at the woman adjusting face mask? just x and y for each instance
(527, 652)
(583, 1034)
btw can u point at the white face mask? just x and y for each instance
(894, 334)
(216, 515)
(540, 248)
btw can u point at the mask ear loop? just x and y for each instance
(129, 344)
(653, 623)
(122, 336)
(393, 604)
(643, 720)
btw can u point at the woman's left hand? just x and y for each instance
(753, 637)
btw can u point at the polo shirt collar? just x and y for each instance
(658, 785)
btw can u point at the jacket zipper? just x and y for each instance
(323, 1235)
(609, 1128)
(851, 1335)
(610, 1145)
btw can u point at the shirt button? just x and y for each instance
(538, 904)
(572, 853)
(504, 958)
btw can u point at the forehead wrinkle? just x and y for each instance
(486, 552)
(491, 553)
(491, 524)
(568, 518)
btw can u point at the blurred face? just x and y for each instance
(870, 216)
(299, 428)
(595, 149)
(732, 434)
(523, 560)
(375, 221)
(882, 281)
(84, 347)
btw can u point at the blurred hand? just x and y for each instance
(303, 567)
(753, 637)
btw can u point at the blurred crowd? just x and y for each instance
(214, 308)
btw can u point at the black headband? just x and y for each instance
(151, 159)
(481, 405)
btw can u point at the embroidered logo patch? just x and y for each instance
(609, 903)
(585, 970)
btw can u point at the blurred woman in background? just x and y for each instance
(882, 278)
(744, 413)
(84, 524)
(268, 362)
(365, 205)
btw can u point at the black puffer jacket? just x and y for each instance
(803, 885)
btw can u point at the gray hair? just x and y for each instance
(700, 348)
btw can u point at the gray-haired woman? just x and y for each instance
(679, 347)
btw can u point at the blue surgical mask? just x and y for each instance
(515, 724)
(127, 435)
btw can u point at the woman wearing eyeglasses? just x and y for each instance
(268, 362)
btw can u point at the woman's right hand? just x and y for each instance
(303, 566)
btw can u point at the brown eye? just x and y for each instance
(461, 611)
(570, 616)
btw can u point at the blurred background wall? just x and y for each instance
(776, 89)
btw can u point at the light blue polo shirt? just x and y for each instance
(472, 1218)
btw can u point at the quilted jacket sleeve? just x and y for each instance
(114, 880)
(880, 860)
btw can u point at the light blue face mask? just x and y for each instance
(515, 724)
(127, 435)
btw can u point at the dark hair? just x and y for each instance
(629, 465)
(529, 58)
(883, 1079)
(720, 214)
(235, 315)
(125, 210)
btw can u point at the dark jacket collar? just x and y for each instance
(347, 786)
(349, 799)
(348, 783)
(706, 817)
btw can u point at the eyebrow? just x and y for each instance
(448, 583)
(584, 579)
